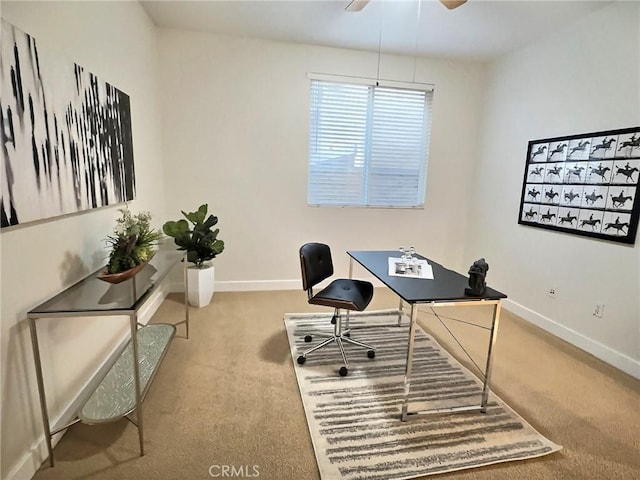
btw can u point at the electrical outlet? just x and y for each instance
(553, 292)
(598, 311)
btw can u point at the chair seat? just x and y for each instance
(345, 293)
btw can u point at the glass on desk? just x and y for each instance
(407, 255)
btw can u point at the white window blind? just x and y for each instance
(368, 145)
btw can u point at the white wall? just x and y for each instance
(235, 136)
(117, 42)
(584, 79)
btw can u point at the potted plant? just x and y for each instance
(201, 244)
(132, 245)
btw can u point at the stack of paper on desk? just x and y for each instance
(414, 268)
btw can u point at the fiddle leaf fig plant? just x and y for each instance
(196, 236)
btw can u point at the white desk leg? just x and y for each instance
(492, 341)
(409, 365)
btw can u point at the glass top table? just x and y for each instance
(122, 389)
(95, 296)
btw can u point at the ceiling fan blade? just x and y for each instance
(356, 5)
(451, 4)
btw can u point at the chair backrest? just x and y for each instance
(315, 263)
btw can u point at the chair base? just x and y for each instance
(338, 337)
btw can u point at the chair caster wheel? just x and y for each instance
(308, 338)
(371, 354)
(301, 359)
(343, 371)
(348, 334)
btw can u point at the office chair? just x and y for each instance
(343, 293)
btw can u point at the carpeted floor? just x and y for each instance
(228, 398)
(355, 420)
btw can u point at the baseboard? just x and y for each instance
(30, 463)
(38, 453)
(606, 354)
(262, 285)
(249, 286)
(152, 304)
(32, 460)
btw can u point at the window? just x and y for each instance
(368, 145)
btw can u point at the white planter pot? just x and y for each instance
(201, 285)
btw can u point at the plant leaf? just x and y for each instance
(175, 229)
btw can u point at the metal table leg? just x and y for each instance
(41, 392)
(409, 365)
(487, 373)
(492, 341)
(186, 294)
(136, 379)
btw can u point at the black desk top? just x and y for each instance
(446, 285)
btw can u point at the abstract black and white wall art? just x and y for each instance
(587, 184)
(66, 135)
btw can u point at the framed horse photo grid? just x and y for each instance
(585, 184)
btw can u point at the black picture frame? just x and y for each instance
(586, 184)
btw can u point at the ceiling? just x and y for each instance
(478, 30)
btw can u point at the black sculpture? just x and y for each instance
(477, 275)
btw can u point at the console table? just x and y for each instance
(122, 390)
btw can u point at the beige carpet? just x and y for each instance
(228, 396)
(355, 420)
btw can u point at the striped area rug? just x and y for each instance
(354, 421)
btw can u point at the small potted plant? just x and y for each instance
(202, 245)
(131, 244)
